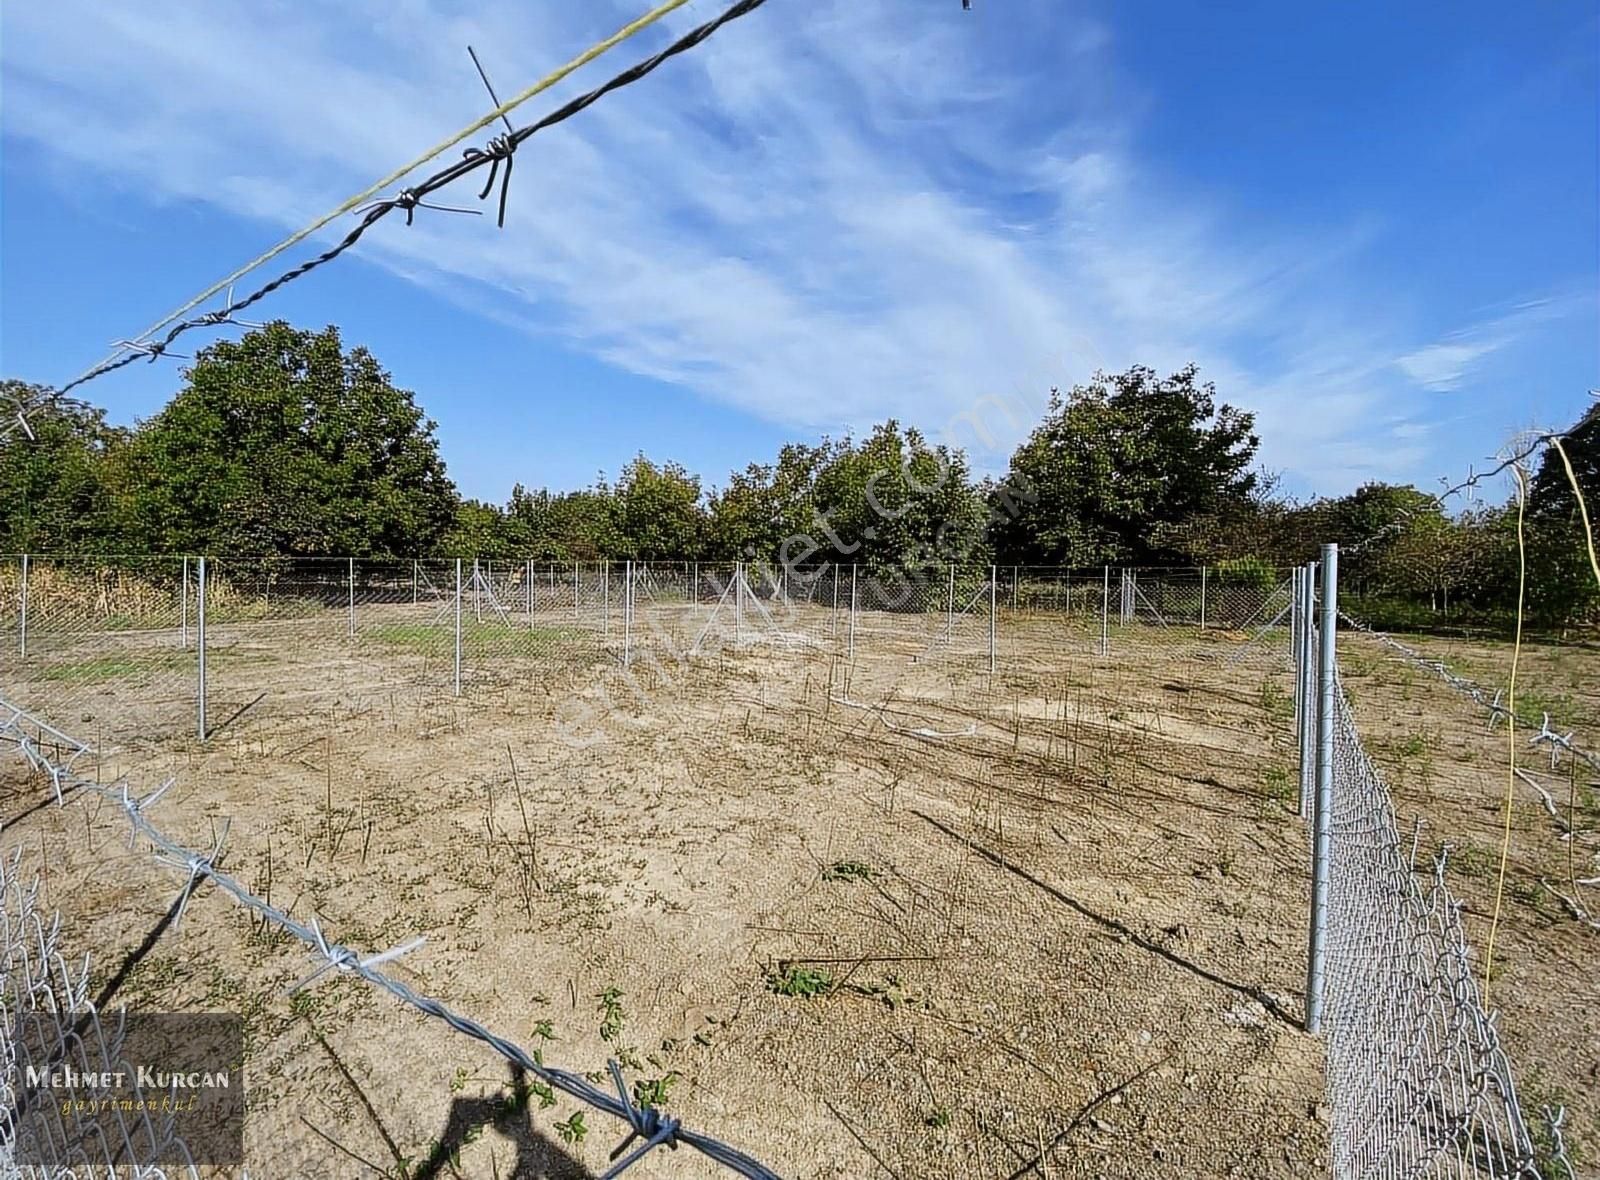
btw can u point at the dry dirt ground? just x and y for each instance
(896, 916)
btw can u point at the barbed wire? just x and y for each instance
(1553, 739)
(648, 1126)
(499, 150)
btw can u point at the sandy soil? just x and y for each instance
(1054, 916)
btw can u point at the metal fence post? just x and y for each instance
(605, 599)
(993, 577)
(1308, 688)
(352, 580)
(413, 581)
(950, 608)
(527, 576)
(833, 615)
(852, 612)
(183, 608)
(738, 603)
(200, 647)
(458, 628)
(576, 615)
(1202, 598)
(22, 637)
(1013, 587)
(1105, 613)
(1322, 844)
(627, 616)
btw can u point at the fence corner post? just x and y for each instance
(200, 649)
(994, 574)
(22, 638)
(1322, 815)
(457, 688)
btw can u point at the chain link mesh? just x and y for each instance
(1418, 1083)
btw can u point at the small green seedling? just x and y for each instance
(800, 982)
(572, 1130)
(611, 1016)
(848, 870)
(654, 1091)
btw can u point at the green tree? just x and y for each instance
(897, 503)
(766, 504)
(55, 479)
(1119, 462)
(888, 502)
(283, 442)
(1561, 585)
(484, 530)
(566, 526)
(658, 512)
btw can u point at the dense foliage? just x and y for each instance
(285, 442)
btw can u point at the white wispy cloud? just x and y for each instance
(1448, 363)
(829, 213)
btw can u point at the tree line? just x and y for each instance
(285, 442)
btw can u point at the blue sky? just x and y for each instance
(1374, 225)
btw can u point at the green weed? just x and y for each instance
(800, 982)
(848, 870)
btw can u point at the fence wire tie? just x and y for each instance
(411, 200)
(343, 959)
(499, 148)
(200, 867)
(646, 1122)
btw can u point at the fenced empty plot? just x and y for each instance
(827, 872)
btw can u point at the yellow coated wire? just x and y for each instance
(543, 84)
(1511, 730)
(1583, 509)
(1594, 566)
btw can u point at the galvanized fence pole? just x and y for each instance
(22, 638)
(1297, 618)
(183, 608)
(1202, 598)
(1105, 613)
(993, 577)
(1322, 844)
(1013, 588)
(852, 612)
(477, 591)
(352, 585)
(1308, 674)
(627, 615)
(413, 581)
(200, 647)
(833, 615)
(458, 628)
(605, 599)
(950, 609)
(738, 603)
(575, 615)
(694, 588)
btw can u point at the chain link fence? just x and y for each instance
(1418, 1083)
(141, 650)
